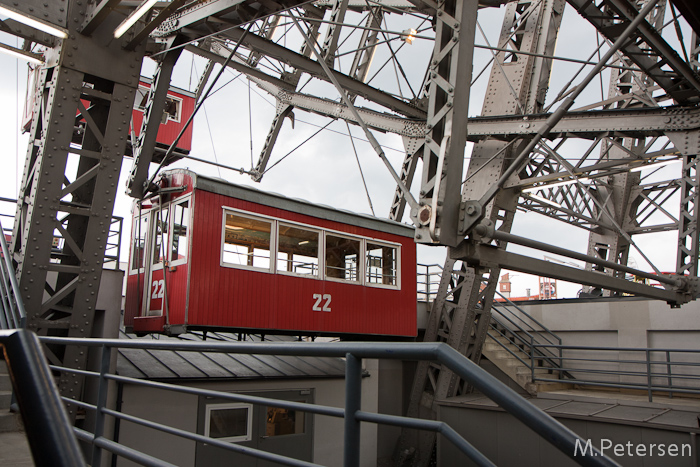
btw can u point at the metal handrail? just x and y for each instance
(114, 241)
(425, 293)
(530, 348)
(650, 378)
(114, 236)
(516, 332)
(14, 314)
(525, 313)
(560, 436)
(47, 426)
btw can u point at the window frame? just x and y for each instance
(398, 263)
(135, 220)
(172, 204)
(155, 215)
(360, 263)
(178, 102)
(178, 114)
(209, 408)
(319, 254)
(323, 232)
(273, 240)
(137, 106)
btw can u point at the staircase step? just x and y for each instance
(538, 370)
(508, 361)
(501, 352)
(497, 345)
(10, 422)
(495, 350)
(5, 383)
(544, 387)
(5, 400)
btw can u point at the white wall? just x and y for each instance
(180, 410)
(632, 319)
(624, 323)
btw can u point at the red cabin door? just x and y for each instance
(156, 294)
(156, 301)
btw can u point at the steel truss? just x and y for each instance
(535, 148)
(70, 183)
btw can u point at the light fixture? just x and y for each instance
(654, 166)
(408, 35)
(554, 185)
(133, 18)
(34, 23)
(304, 242)
(21, 54)
(545, 200)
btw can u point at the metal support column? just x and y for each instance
(443, 155)
(462, 309)
(688, 234)
(330, 44)
(284, 110)
(614, 193)
(77, 141)
(152, 113)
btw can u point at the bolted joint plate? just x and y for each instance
(470, 214)
(470, 254)
(687, 142)
(689, 286)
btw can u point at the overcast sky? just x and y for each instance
(325, 169)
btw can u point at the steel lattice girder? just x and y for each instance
(634, 122)
(443, 154)
(462, 309)
(228, 14)
(688, 232)
(146, 142)
(682, 83)
(95, 78)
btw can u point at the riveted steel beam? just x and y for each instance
(152, 115)
(636, 122)
(462, 309)
(70, 186)
(313, 68)
(655, 58)
(443, 155)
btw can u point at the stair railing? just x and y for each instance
(13, 315)
(539, 343)
(427, 281)
(353, 352)
(48, 429)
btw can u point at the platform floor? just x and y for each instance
(605, 406)
(14, 450)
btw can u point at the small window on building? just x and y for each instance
(247, 242)
(284, 422)
(160, 233)
(229, 422)
(342, 258)
(138, 249)
(181, 221)
(141, 98)
(381, 264)
(172, 108)
(297, 250)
